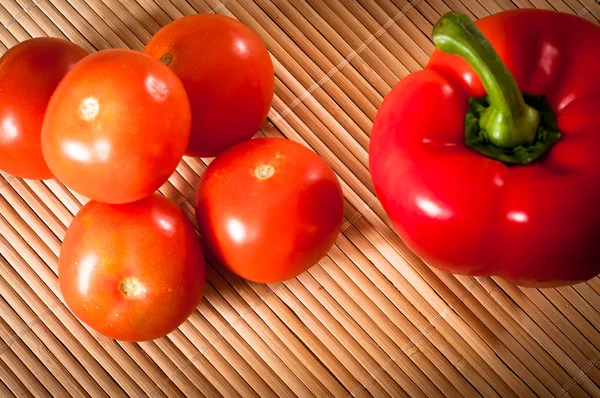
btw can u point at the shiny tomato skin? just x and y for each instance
(147, 248)
(268, 209)
(117, 126)
(227, 72)
(29, 74)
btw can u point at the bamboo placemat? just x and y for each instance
(370, 319)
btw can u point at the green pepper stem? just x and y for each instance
(508, 122)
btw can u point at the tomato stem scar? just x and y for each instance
(264, 171)
(132, 288)
(89, 109)
(167, 58)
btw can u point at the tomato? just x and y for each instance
(227, 72)
(133, 272)
(29, 74)
(117, 126)
(268, 209)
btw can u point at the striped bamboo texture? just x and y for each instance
(370, 319)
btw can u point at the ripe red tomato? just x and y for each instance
(117, 126)
(268, 209)
(227, 72)
(133, 272)
(29, 74)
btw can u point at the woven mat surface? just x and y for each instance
(370, 319)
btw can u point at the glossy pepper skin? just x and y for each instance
(536, 224)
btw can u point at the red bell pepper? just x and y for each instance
(488, 160)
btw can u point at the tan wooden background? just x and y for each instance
(370, 319)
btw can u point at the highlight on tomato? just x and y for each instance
(227, 73)
(117, 126)
(132, 272)
(29, 74)
(268, 209)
